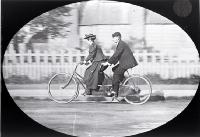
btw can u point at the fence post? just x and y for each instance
(37, 56)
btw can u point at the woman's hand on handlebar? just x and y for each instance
(85, 62)
(82, 62)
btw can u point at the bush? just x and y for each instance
(195, 79)
(18, 79)
(24, 79)
(156, 79)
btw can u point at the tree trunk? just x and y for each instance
(16, 43)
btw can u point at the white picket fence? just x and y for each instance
(40, 65)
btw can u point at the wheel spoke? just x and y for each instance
(140, 88)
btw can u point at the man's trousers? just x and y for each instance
(118, 76)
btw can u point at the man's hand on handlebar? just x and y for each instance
(106, 64)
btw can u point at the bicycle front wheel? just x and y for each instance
(138, 89)
(63, 88)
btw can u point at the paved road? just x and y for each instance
(102, 119)
(41, 90)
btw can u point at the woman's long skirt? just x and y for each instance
(92, 77)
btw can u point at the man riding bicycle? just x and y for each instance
(124, 56)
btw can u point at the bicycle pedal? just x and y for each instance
(111, 94)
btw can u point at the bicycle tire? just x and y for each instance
(63, 88)
(145, 90)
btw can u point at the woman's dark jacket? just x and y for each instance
(91, 76)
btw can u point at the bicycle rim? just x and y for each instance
(138, 89)
(63, 88)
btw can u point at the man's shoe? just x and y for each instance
(111, 93)
(116, 99)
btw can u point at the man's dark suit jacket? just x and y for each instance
(124, 55)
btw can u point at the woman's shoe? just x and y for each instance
(84, 94)
(87, 92)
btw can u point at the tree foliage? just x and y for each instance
(50, 24)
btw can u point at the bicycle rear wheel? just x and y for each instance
(138, 89)
(63, 88)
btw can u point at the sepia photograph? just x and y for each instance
(102, 68)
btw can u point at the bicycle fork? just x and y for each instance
(67, 82)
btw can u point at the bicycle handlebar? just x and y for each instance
(81, 63)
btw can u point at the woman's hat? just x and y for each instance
(90, 36)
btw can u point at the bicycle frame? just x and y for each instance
(78, 77)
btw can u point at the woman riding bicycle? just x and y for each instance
(92, 76)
